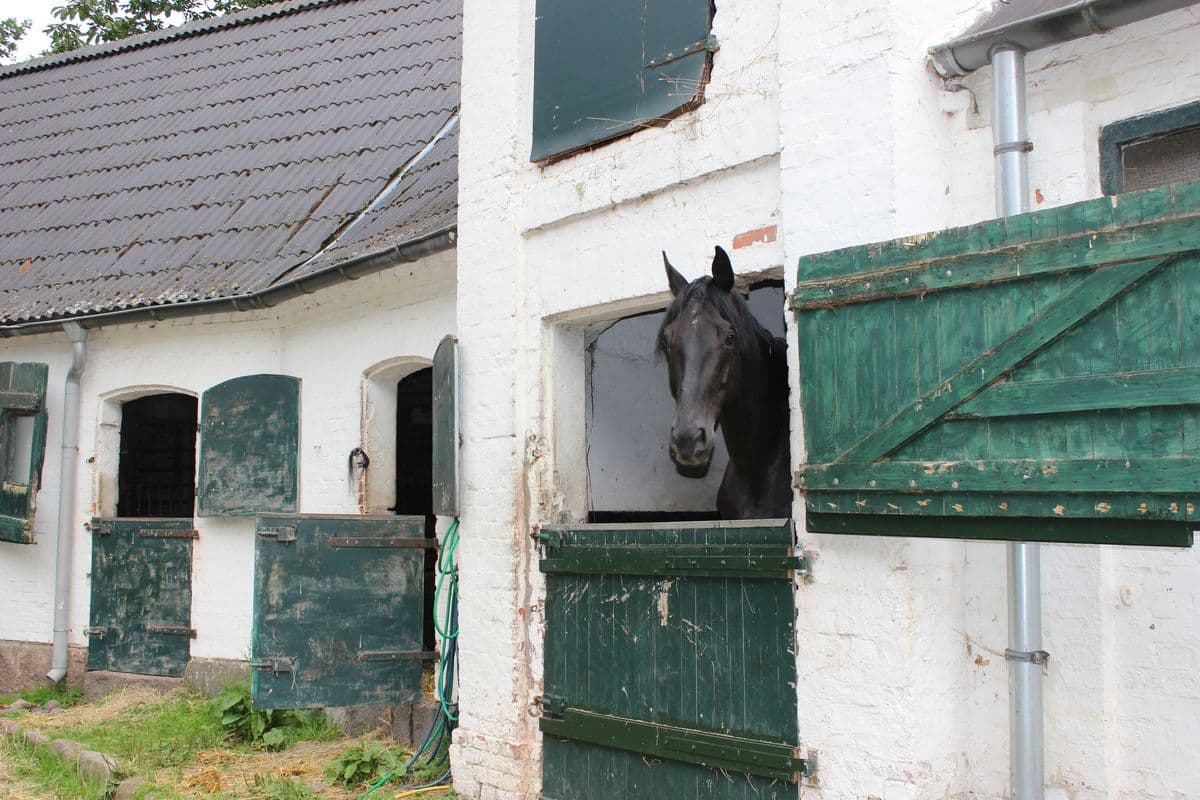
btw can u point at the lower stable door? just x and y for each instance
(338, 610)
(141, 609)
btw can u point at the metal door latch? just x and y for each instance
(275, 665)
(282, 534)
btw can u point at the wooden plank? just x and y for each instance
(1150, 213)
(1169, 387)
(24, 402)
(1078, 304)
(1030, 529)
(1092, 476)
(445, 428)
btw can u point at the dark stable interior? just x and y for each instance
(157, 463)
(414, 469)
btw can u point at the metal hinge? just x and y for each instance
(97, 633)
(382, 541)
(807, 760)
(550, 538)
(172, 630)
(398, 655)
(708, 43)
(282, 534)
(102, 528)
(552, 707)
(277, 665)
(157, 533)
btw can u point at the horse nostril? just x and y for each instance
(701, 437)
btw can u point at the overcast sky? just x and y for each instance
(38, 11)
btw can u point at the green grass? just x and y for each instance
(66, 696)
(38, 766)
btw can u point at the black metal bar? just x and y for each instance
(156, 533)
(382, 541)
(172, 630)
(398, 655)
(723, 560)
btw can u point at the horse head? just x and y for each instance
(699, 339)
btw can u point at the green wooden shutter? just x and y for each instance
(22, 446)
(670, 662)
(1034, 377)
(445, 428)
(141, 609)
(602, 70)
(338, 605)
(249, 446)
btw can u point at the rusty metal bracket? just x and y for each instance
(156, 533)
(96, 633)
(282, 534)
(382, 541)
(708, 43)
(398, 655)
(1039, 657)
(172, 630)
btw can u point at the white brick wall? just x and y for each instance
(824, 120)
(327, 340)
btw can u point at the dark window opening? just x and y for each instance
(1151, 150)
(630, 475)
(414, 469)
(157, 467)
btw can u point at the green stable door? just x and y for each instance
(670, 662)
(1028, 378)
(141, 610)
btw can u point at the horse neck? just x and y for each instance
(754, 419)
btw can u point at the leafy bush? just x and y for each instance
(270, 729)
(363, 763)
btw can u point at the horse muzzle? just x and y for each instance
(691, 450)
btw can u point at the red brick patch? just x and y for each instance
(756, 236)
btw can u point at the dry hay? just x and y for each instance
(228, 772)
(12, 788)
(85, 714)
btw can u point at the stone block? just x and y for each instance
(66, 749)
(97, 767)
(209, 676)
(9, 728)
(357, 720)
(36, 738)
(128, 788)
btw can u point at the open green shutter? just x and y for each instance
(249, 446)
(602, 70)
(445, 428)
(1029, 378)
(22, 446)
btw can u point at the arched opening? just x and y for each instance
(156, 466)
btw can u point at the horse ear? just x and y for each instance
(722, 271)
(677, 282)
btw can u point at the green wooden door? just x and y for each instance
(141, 607)
(445, 428)
(338, 605)
(1036, 377)
(22, 446)
(670, 662)
(249, 446)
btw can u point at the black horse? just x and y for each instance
(727, 371)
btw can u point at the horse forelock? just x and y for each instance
(731, 308)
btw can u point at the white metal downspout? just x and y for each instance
(1024, 654)
(68, 468)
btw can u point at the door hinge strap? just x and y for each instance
(276, 665)
(172, 630)
(398, 655)
(382, 541)
(772, 759)
(156, 533)
(282, 534)
(97, 633)
(708, 43)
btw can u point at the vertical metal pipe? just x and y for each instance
(1024, 655)
(68, 467)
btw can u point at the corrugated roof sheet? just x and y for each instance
(225, 156)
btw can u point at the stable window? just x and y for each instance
(157, 465)
(22, 445)
(1151, 150)
(603, 70)
(630, 474)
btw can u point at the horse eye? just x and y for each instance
(664, 344)
(729, 337)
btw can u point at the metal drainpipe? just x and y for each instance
(68, 467)
(1024, 654)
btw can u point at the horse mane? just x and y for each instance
(761, 343)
